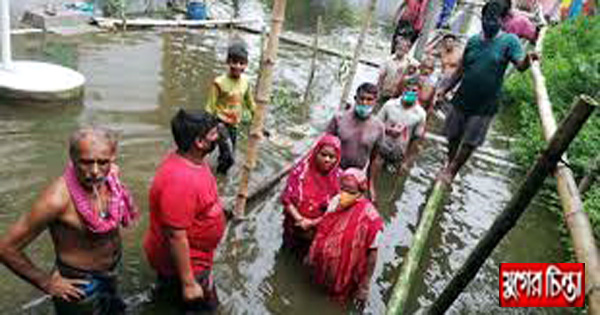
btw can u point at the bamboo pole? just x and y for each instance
(263, 91)
(357, 50)
(402, 288)
(146, 22)
(545, 163)
(577, 221)
(313, 68)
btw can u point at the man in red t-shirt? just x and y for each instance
(186, 217)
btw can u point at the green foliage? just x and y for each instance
(286, 102)
(571, 66)
(591, 205)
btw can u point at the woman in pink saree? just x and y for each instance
(310, 186)
(343, 254)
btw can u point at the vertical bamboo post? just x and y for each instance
(263, 91)
(313, 68)
(357, 50)
(545, 163)
(577, 222)
(410, 265)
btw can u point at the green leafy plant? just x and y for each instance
(571, 66)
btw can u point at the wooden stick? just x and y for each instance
(412, 260)
(263, 92)
(313, 68)
(507, 219)
(577, 222)
(357, 50)
(145, 22)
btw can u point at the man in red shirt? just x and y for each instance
(186, 216)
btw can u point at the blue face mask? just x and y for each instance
(409, 97)
(363, 111)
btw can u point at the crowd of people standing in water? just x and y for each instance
(331, 222)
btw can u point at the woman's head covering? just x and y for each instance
(307, 168)
(359, 178)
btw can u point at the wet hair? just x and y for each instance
(449, 35)
(237, 51)
(189, 126)
(366, 87)
(492, 9)
(102, 133)
(505, 6)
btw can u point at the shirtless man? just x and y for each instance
(359, 130)
(450, 55)
(83, 210)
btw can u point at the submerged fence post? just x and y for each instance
(357, 49)
(263, 91)
(576, 220)
(507, 219)
(402, 288)
(313, 68)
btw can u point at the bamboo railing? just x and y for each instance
(576, 220)
(546, 162)
(263, 92)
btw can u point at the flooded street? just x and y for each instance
(137, 80)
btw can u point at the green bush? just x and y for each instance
(571, 66)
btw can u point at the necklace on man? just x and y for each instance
(100, 205)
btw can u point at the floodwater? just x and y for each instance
(137, 80)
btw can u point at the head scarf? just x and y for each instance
(121, 208)
(307, 182)
(358, 177)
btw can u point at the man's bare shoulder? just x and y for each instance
(55, 198)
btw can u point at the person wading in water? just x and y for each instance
(482, 69)
(83, 209)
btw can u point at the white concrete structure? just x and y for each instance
(30, 80)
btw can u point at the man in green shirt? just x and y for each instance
(482, 69)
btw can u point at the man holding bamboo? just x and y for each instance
(475, 103)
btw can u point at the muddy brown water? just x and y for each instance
(137, 80)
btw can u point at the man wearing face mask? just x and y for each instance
(404, 119)
(83, 209)
(186, 216)
(359, 131)
(475, 103)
